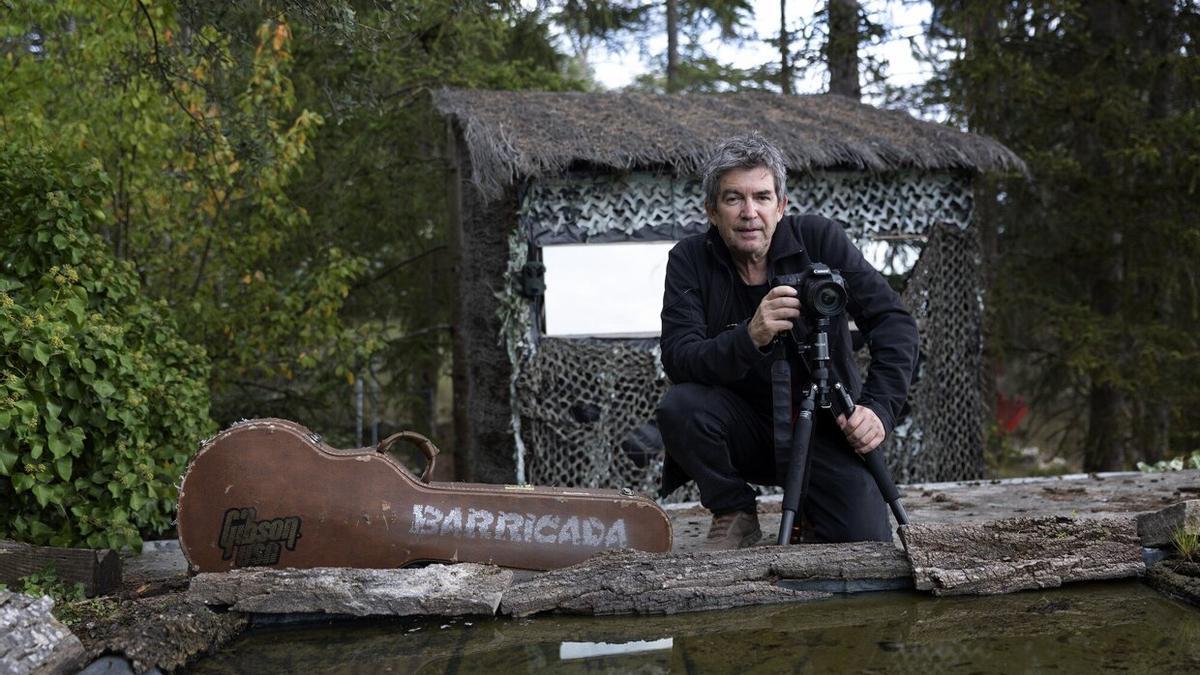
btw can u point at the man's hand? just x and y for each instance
(774, 315)
(863, 429)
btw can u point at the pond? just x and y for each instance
(1086, 627)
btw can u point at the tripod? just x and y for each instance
(794, 441)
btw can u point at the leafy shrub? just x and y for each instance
(101, 400)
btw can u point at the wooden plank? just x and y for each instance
(98, 570)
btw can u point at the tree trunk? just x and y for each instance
(841, 50)
(1104, 448)
(981, 32)
(672, 46)
(1152, 422)
(1108, 427)
(785, 64)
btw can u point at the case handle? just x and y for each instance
(425, 445)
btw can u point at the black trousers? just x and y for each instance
(724, 443)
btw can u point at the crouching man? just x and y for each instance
(720, 317)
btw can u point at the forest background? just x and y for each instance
(267, 179)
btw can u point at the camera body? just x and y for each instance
(822, 291)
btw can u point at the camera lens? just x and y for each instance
(828, 298)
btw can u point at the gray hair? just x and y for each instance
(750, 151)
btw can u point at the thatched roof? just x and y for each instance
(514, 134)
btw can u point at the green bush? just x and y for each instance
(101, 400)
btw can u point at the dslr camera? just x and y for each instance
(822, 291)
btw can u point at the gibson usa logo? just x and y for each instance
(521, 527)
(256, 542)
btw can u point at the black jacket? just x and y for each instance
(702, 342)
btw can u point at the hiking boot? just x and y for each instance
(737, 529)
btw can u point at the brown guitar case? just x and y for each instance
(270, 493)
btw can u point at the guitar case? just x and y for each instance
(271, 493)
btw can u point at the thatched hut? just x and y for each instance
(537, 170)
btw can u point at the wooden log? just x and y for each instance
(446, 590)
(1016, 554)
(1156, 529)
(634, 582)
(32, 640)
(98, 570)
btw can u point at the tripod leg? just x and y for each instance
(887, 487)
(875, 465)
(793, 486)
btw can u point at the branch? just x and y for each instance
(395, 266)
(166, 78)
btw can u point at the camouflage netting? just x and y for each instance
(582, 405)
(942, 439)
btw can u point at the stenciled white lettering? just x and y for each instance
(570, 532)
(548, 528)
(426, 519)
(478, 521)
(539, 531)
(452, 524)
(616, 535)
(508, 524)
(593, 532)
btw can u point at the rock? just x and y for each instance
(445, 590)
(1155, 529)
(32, 640)
(635, 582)
(1020, 553)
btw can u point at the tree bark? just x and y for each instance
(448, 590)
(32, 640)
(1108, 421)
(785, 64)
(672, 46)
(841, 49)
(165, 631)
(633, 582)
(1003, 556)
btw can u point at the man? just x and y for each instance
(720, 319)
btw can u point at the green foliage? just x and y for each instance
(379, 187)
(46, 582)
(101, 399)
(1187, 544)
(1180, 463)
(197, 126)
(278, 176)
(1094, 295)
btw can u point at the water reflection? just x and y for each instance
(1122, 626)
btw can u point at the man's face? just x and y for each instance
(747, 211)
